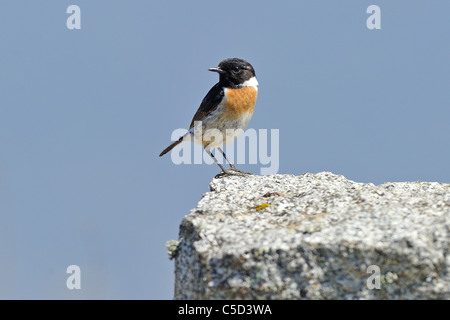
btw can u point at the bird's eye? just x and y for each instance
(236, 69)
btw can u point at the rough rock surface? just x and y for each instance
(315, 236)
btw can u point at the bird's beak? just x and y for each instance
(216, 70)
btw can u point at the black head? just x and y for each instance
(234, 72)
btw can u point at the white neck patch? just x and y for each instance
(252, 82)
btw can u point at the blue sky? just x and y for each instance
(85, 113)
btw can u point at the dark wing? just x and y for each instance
(209, 103)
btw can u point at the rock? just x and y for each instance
(315, 236)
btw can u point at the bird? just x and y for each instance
(225, 111)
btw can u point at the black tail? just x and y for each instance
(173, 145)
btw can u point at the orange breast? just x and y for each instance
(240, 101)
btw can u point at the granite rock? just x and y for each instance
(315, 236)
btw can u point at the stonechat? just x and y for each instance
(225, 110)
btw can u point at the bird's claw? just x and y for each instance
(232, 171)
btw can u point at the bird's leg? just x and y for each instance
(231, 165)
(230, 171)
(215, 160)
(229, 162)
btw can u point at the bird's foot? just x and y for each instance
(232, 171)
